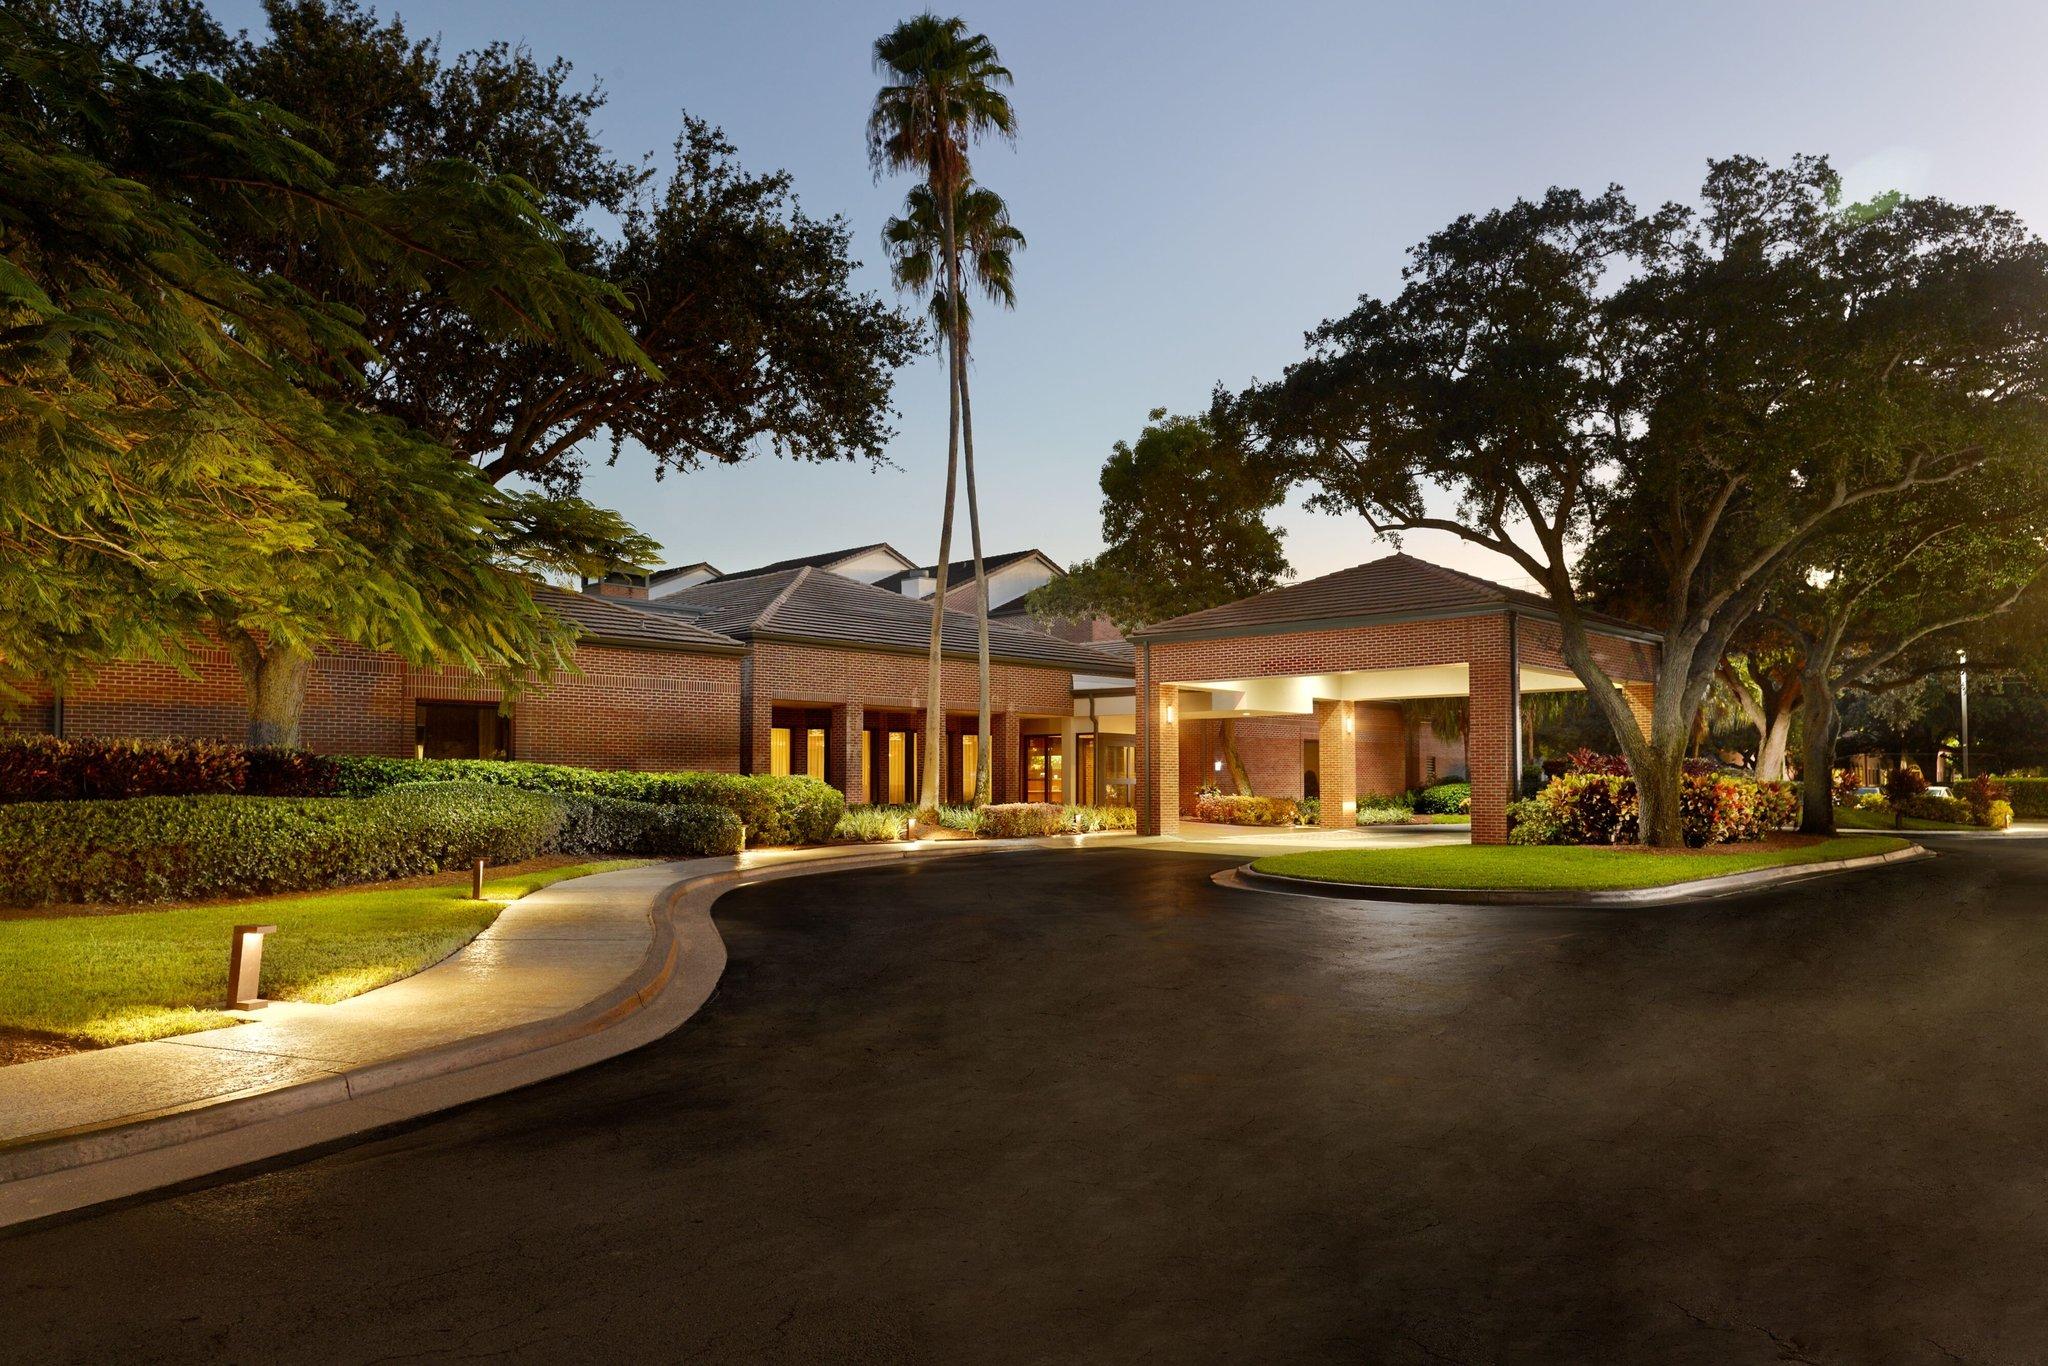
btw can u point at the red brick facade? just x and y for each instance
(626, 708)
(1173, 748)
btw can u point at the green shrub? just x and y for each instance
(2029, 797)
(1534, 821)
(1229, 809)
(1445, 799)
(1383, 811)
(1309, 811)
(190, 848)
(1928, 807)
(1021, 820)
(775, 810)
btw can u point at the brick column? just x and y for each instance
(1336, 744)
(1006, 772)
(1158, 760)
(1382, 743)
(848, 743)
(1070, 766)
(1489, 740)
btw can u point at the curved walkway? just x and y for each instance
(1088, 1106)
(577, 972)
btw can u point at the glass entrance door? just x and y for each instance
(1043, 779)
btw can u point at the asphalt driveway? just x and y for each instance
(1060, 1106)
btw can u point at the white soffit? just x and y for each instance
(1297, 695)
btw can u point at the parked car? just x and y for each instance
(1939, 790)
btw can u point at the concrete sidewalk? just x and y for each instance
(571, 974)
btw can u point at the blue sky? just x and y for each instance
(1202, 182)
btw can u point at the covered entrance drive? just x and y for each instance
(1320, 669)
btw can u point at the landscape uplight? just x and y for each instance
(245, 966)
(476, 881)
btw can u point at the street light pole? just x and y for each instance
(1963, 667)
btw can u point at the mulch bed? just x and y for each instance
(1769, 844)
(19, 1045)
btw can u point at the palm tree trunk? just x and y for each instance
(981, 749)
(931, 790)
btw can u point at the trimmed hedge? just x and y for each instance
(1230, 809)
(875, 824)
(2029, 797)
(1445, 799)
(189, 848)
(790, 810)
(43, 768)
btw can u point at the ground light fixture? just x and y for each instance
(476, 881)
(245, 966)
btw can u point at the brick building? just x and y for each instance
(818, 665)
(1312, 675)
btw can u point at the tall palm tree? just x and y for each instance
(941, 93)
(988, 244)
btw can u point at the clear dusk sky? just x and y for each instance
(1202, 182)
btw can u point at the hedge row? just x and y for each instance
(1010, 820)
(791, 810)
(189, 848)
(43, 768)
(2029, 797)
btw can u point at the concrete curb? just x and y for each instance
(55, 1172)
(1245, 878)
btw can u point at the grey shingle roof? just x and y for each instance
(814, 604)
(628, 622)
(824, 561)
(1395, 586)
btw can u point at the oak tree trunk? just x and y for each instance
(275, 677)
(1817, 756)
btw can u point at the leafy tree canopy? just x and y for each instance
(1695, 392)
(1184, 527)
(184, 440)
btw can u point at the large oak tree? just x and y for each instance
(1716, 386)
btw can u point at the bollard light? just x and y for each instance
(476, 881)
(245, 966)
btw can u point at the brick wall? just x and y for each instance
(791, 674)
(623, 708)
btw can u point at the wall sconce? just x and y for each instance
(1347, 723)
(1219, 765)
(1169, 713)
(245, 966)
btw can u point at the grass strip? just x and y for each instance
(108, 979)
(1552, 867)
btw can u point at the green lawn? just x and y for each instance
(1550, 866)
(109, 979)
(1856, 818)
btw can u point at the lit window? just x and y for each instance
(814, 754)
(778, 751)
